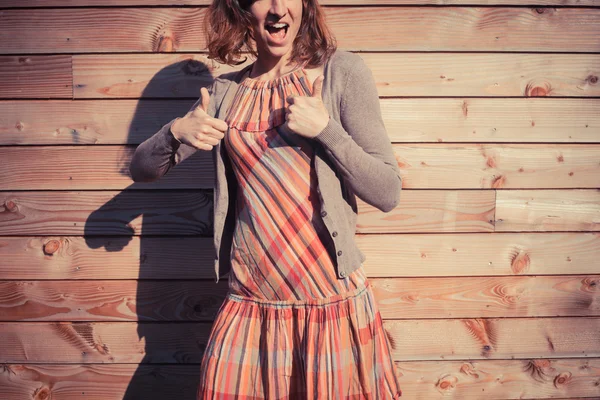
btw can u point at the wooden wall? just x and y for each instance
(487, 274)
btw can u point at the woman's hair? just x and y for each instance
(228, 25)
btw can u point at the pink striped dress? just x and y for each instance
(288, 328)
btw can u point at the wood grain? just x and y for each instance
(108, 30)
(423, 166)
(188, 212)
(106, 257)
(93, 167)
(431, 255)
(144, 75)
(406, 74)
(421, 339)
(36, 76)
(548, 210)
(109, 293)
(468, 120)
(440, 379)
(106, 213)
(407, 298)
(396, 74)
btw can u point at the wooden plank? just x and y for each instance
(148, 75)
(397, 298)
(431, 255)
(71, 122)
(474, 254)
(93, 167)
(498, 379)
(396, 74)
(121, 3)
(548, 210)
(484, 297)
(106, 213)
(106, 257)
(106, 30)
(534, 120)
(485, 74)
(518, 211)
(423, 166)
(410, 74)
(422, 339)
(507, 166)
(35, 76)
(432, 211)
(189, 212)
(184, 213)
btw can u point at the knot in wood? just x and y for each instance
(51, 246)
(10, 206)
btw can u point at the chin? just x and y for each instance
(277, 52)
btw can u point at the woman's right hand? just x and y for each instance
(197, 128)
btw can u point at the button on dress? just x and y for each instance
(289, 328)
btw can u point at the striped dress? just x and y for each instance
(289, 328)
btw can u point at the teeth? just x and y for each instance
(279, 26)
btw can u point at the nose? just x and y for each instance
(278, 8)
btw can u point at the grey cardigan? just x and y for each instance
(353, 157)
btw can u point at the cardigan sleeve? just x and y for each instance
(155, 156)
(359, 146)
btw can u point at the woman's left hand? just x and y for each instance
(307, 116)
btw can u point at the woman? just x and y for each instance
(295, 136)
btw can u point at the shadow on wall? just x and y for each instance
(170, 367)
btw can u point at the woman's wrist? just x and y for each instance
(173, 129)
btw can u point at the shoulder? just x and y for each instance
(347, 72)
(345, 62)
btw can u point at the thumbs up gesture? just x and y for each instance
(197, 128)
(307, 116)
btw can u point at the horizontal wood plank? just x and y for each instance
(36, 77)
(396, 74)
(518, 211)
(414, 298)
(183, 213)
(533, 120)
(453, 339)
(460, 380)
(93, 167)
(132, 212)
(430, 255)
(144, 75)
(106, 257)
(77, 30)
(548, 210)
(107, 213)
(423, 166)
(406, 74)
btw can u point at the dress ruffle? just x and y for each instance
(259, 105)
(334, 348)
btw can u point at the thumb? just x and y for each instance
(318, 87)
(204, 100)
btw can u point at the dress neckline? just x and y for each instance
(259, 105)
(289, 77)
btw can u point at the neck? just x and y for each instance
(267, 68)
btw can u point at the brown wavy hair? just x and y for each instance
(228, 31)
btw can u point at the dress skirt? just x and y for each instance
(289, 328)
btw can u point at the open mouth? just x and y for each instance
(278, 30)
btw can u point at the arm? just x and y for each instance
(359, 146)
(154, 157)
